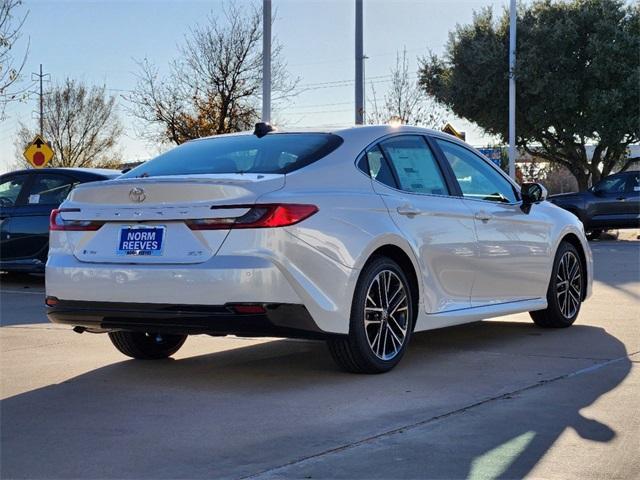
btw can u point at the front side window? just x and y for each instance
(477, 179)
(414, 164)
(611, 185)
(273, 153)
(10, 190)
(49, 189)
(633, 183)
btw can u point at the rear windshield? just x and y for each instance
(273, 153)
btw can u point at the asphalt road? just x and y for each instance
(498, 398)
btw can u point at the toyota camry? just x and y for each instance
(357, 236)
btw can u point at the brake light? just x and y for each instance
(248, 309)
(56, 222)
(259, 216)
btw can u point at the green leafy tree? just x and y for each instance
(578, 81)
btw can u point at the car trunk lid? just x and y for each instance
(138, 212)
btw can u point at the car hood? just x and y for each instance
(564, 197)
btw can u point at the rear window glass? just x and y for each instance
(273, 153)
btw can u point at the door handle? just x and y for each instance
(408, 210)
(483, 216)
(622, 199)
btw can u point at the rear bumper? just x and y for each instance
(219, 281)
(265, 266)
(278, 320)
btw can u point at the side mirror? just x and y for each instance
(597, 192)
(532, 193)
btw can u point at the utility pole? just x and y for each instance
(40, 77)
(266, 61)
(512, 89)
(359, 64)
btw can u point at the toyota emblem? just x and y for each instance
(137, 195)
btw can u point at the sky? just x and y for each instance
(99, 41)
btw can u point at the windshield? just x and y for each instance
(273, 153)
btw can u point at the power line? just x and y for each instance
(345, 59)
(315, 105)
(340, 81)
(317, 111)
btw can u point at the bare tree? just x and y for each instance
(214, 85)
(81, 124)
(10, 66)
(405, 102)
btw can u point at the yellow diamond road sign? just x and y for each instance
(38, 153)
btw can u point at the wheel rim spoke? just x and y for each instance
(386, 319)
(397, 305)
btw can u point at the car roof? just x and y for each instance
(342, 130)
(364, 134)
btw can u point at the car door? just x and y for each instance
(609, 207)
(12, 194)
(30, 221)
(632, 200)
(438, 225)
(513, 250)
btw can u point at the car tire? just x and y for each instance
(146, 345)
(565, 291)
(593, 234)
(380, 327)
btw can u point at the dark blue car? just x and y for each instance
(26, 200)
(612, 203)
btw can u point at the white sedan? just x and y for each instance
(358, 236)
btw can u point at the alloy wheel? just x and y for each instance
(386, 315)
(569, 284)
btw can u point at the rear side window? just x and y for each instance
(48, 189)
(273, 153)
(378, 167)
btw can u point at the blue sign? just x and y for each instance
(140, 241)
(493, 154)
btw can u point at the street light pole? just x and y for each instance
(512, 89)
(266, 61)
(359, 64)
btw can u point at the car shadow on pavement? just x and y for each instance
(237, 412)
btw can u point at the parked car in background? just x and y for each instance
(612, 203)
(358, 236)
(26, 200)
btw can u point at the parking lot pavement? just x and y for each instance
(21, 299)
(498, 398)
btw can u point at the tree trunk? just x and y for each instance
(582, 178)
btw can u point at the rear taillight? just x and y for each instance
(258, 216)
(56, 222)
(248, 309)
